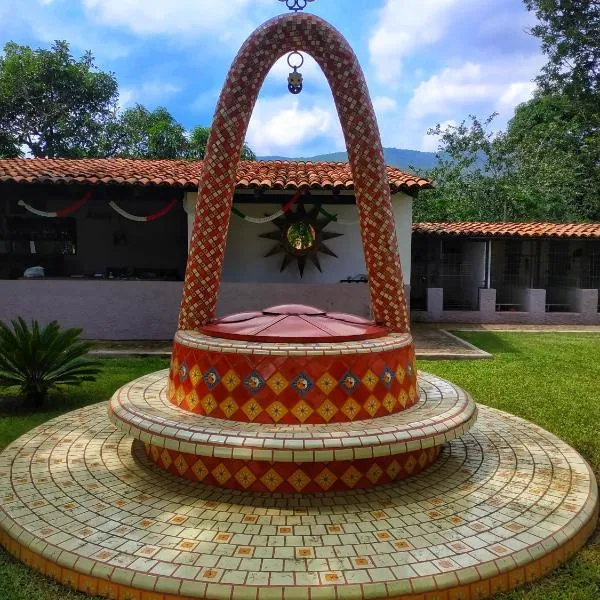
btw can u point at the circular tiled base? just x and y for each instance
(503, 504)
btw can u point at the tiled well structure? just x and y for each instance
(292, 453)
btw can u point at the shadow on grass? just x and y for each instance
(488, 341)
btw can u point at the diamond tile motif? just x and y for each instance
(195, 375)
(272, 480)
(221, 474)
(254, 382)
(309, 377)
(351, 409)
(349, 382)
(228, 407)
(251, 409)
(387, 377)
(302, 384)
(370, 380)
(208, 403)
(278, 383)
(327, 410)
(302, 411)
(231, 380)
(245, 477)
(326, 383)
(199, 470)
(277, 411)
(326, 479)
(372, 405)
(211, 377)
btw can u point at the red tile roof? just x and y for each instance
(523, 230)
(271, 174)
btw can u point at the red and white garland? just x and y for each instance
(63, 212)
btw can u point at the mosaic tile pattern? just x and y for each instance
(289, 477)
(353, 385)
(502, 505)
(310, 34)
(141, 410)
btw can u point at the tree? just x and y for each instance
(569, 102)
(142, 133)
(199, 139)
(550, 145)
(473, 176)
(52, 104)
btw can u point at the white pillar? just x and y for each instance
(189, 205)
(402, 210)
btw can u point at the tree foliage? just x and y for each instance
(199, 139)
(142, 133)
(546, 165)
(53, 104)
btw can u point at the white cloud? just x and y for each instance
(150, 93)
(147, 17)
(281, 125)
(501, 85)
(430, 143)
(384, 104)
(516, 93)
(402, 28)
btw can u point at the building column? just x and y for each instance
(189, 205)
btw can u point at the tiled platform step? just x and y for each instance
(292, 383)
(504, 504)
(288, 458)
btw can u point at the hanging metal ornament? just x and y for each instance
(296, 5)
(295, 77)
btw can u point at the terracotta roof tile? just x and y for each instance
(272, 174)
(524, 230)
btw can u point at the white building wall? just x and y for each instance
(244, 256)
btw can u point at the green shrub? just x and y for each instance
(37, 359)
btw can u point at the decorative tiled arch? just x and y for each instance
(310, 34)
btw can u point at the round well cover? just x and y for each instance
(294, 323)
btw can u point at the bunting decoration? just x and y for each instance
(269, 218)
(63, 212)
(153, 217)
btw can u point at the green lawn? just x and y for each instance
(550, 379)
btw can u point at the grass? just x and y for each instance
(550, 379)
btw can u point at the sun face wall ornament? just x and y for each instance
(301, 236)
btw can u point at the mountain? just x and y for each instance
(395, 157)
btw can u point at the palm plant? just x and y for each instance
(37, 359)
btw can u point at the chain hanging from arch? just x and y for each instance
(295, 77)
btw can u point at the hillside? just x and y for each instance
(396, 157)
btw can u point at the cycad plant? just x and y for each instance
(38, 358)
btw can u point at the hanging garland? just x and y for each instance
(59, 213)
(269, 218)
(157, 215)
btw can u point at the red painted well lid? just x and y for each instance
(294, 323)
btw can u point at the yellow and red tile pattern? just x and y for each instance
(310, 34)
(289, 477)
(291, 390)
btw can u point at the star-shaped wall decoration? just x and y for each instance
(300, 236)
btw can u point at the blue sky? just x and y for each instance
(426, 61)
